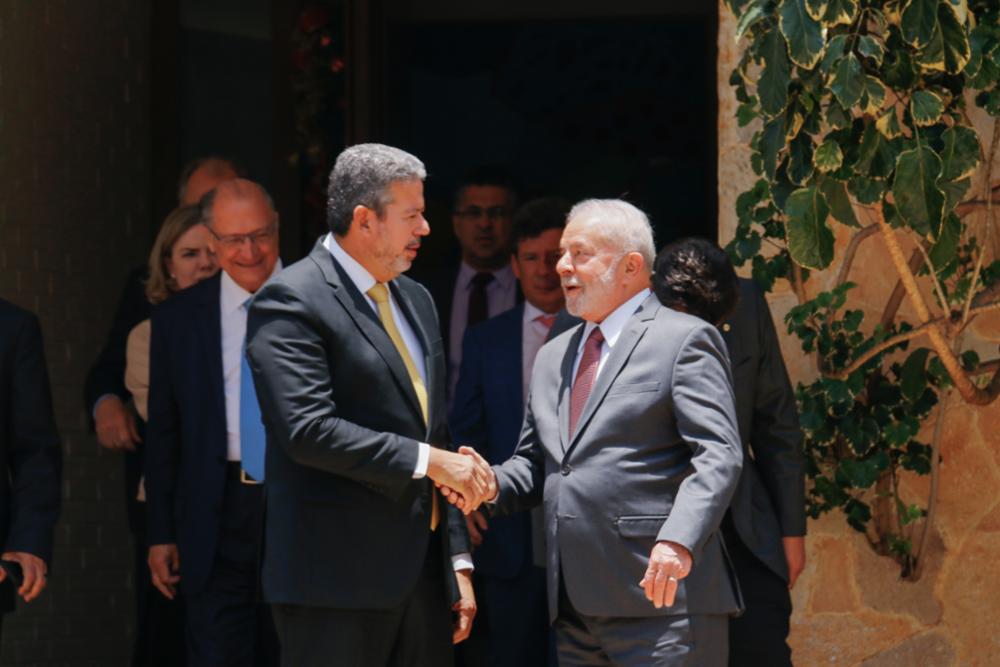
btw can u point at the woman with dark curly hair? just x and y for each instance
(696, 277)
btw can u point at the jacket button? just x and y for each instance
(566, 469)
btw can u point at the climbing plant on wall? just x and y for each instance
(862, 117)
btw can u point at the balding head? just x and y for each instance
(244, 226)
(201, 175)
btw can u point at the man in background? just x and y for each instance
(497, 358)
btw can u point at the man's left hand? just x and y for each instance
(465, 608)
(795, 556)
(34, 570)
(669, 562)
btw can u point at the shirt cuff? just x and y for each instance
(93, 413)
(423, 457)
(462, 561)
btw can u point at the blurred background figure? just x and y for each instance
(180, 258)
(30, 459)
(765, 526)
(497, 358)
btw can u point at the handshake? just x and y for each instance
(465, 479)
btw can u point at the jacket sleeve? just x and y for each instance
(705, 413)
(34, 455)
(775, 436)
(288, 357)
(163, 437)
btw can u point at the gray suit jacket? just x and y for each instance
(656, 456)
(769, 502)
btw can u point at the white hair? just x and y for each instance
(619, 223)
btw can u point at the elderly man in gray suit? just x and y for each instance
(630, 439)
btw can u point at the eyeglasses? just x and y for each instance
(493, 213)
(263, 237)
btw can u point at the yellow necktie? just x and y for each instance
(380, 293)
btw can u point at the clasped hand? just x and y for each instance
(465, 479)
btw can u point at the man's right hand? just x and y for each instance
(115, 425)
(164, 564)
(466, 481)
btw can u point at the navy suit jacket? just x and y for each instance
(185, 463)
(487, 414)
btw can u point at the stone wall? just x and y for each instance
(74, 154)
(851, 608)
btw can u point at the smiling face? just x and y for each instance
(534, 264)
(191, 260)
(596, 276)
(245, 234)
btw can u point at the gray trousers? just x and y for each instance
(651, 641)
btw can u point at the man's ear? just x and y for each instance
(361, 219)
(634, 263)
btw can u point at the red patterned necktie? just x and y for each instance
(585, 375)
(547, 321)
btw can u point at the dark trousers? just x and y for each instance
(159, 623)
(759, 636)
(696, 640)
(417, 633)
(516, 615)
(227, 624)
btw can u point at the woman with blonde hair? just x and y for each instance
(180, 258)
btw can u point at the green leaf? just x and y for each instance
(866, 190)
(858, 514)
(748, 19)
(919, 201)
(745, 114)
(926, 108)
(918, 21)
(899, 72)
(773, 85)
(835, 193)
(970, 360)
(931, 57)
(816, 8)
(772, 140)
(874, 96)
(800, 167)
(835, 50)
(837, 117)
(943, 250)
(848, 81)
(960, 156)
(810, 240)
(802, 32)
(840, 12)
(859, 474)
(954, 192)
(870, 47)
(955, 39)
(912, 378)
(828, 157)
(888, 124)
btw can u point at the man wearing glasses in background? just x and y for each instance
(205, 440)
(483, 284)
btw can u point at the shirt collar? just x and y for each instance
(504, 276)
(613, 324)
(358, 274)
(232, 296)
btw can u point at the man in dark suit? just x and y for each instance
(630, 437)
(482, 284)
(204, 510)
(362, 562)
(765, 525)
(30, 458)
(488, 410)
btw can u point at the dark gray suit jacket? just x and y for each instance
(656, 456)
(769, 502)
(346, 524)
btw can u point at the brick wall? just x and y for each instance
(74, 154)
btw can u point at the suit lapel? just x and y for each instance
(620, 353)
(358, 308)
(566, 386)
(210, 332)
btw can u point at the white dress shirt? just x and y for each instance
(501, 296)
(611, 329)
(232, 298)
(364, 281)
(533, 335)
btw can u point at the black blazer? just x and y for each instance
(769, 502)
(185, 462)
(30, 457)
(346, 524)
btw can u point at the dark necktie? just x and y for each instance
(585, 374)
(479, 305)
